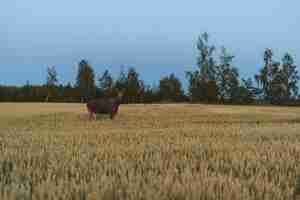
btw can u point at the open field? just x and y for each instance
(51, 151)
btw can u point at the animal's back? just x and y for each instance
(103, 105)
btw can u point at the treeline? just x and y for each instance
(215, 80)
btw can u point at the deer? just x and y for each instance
(104, 106)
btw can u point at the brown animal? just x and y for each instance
(104, 106)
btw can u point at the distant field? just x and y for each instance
(52, 151)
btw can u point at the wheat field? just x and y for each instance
(52, 151)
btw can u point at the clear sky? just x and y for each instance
(156, 37)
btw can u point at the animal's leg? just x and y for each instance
(112, 115)
(90, 116)
(114, 111)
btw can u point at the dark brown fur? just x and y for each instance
(104, 106)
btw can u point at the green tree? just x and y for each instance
(205, 58)
(106, 84)
(278, 82)
(246, 92)
(289, 78)
(170, 88)
(121, 82)
(71, 94)
(2, 93)
(131, 85)
(27, 90)
(202, 82)
(148, 95)
(85, 80)
(263, 77)
(51, 82)
(269, 78)
(195, 91)
(134, 86)
(227, 78)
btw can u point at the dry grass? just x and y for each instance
(51, 151)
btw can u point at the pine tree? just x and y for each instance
(170, 88)
(289, 78)
(269, 79)
(51, 82)
(202, 82)
(106, 84)
(227, 78)
(85, 81)
(134, 86)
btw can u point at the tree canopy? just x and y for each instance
(215, 79)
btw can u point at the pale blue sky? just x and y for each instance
(156, 37)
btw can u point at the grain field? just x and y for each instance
(209, 152)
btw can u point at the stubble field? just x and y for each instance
(52, 151)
